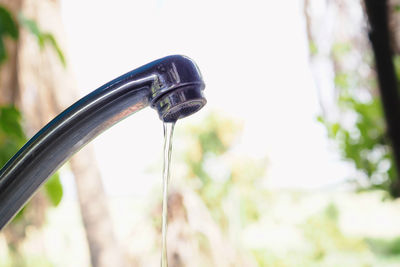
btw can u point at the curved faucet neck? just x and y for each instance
(42, 155)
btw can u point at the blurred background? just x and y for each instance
(294, 161)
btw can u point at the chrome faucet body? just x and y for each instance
(172, 85)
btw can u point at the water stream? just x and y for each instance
(168, 133)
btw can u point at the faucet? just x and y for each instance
(172, 85)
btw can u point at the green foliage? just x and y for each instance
(12, 136)
(268, 259)
(313, 48)
(42, 37)
(340, 49)
(342, 80)
(360, 130)
(364, 143)
(324, 243)
(386, 248)
(323, 232)
(9, 28)
(54, 190)
(25, 260)
(210, 144)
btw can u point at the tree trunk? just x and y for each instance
(379, 34)
(104, 250)
(36, 82)
(8, 71)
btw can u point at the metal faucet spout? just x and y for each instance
(172, 85)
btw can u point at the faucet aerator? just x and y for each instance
(180, 103)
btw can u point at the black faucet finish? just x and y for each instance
(172, 85)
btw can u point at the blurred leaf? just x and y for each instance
(313, 48)
(11, 134)
(396, 62)
(7, 24)
(249, 211)
(8, 27)
(19, 215)
(385, 247)
(30, 25)
(3, 53)
(42, 37)
(321, 119)
(332, 212)
(342, 80)
(50, 39)
(10, 122)
(54, 189)
(340, 49)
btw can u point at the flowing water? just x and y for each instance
(168, 132)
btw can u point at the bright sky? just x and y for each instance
(253, 56)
